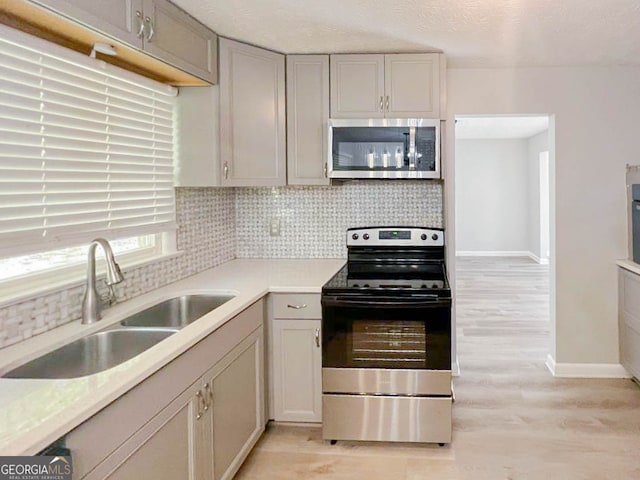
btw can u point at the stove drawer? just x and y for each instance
(380, 381)
(296, 305)
(386, 418)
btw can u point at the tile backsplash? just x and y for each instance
(206, 235)
(218, 224)
(313, 220)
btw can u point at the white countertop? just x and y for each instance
(34, 413)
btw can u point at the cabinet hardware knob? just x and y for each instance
(317, 336)
(226, 170)
(297, 307)
(151, 30)
(381, 103)
(140, 33)
(387, 103)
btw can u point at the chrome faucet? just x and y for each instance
(91, 304)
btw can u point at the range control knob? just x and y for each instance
(354, 236)
(365, 236)
(434, 236)
(423, 236)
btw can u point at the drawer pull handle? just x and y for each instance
(317, 335)
(200, 401)
(298, 307)
(206, 397)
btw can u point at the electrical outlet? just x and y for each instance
(274, 227)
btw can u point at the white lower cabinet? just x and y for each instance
(629, 320)
(203, 430)
(163, 449)
(237, 411)
(296, 358)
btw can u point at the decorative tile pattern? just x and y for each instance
(217, 224)
(206, 234)
(313, 220)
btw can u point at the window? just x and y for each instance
(86, 150)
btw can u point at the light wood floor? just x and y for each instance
(511, 419)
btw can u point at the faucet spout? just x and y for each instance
(91, 303)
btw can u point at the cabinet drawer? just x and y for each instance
(296, 305)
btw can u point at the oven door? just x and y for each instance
(386, 332)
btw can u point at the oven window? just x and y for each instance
(373, 337)
(388, 342)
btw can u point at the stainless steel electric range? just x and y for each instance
(386, 339)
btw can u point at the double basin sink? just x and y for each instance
(132, 336)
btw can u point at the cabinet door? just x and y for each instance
(629, 321)
(237, 405)
(120, 19)
(175, 37)
(412, 85)
(297, 370)
(164, 449)
(197, 137)
(307, 119)
(357, 86)
(252, 116)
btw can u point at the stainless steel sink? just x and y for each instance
(176, 312)
(92, 354)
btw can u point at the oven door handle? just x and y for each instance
(387, 302)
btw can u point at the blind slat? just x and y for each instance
(84, 152)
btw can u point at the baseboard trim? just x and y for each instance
(502, 253)
(494, 253)
(537, 259)
(586, 370)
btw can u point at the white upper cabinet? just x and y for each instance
(252, 116)
(391, 86)
(412, 85)
(178, 39)
(121, 19)
(156, 27)
(307, 119)
(357, 86)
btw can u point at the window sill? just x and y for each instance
(51, 283)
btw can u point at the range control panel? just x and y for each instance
(395, 236)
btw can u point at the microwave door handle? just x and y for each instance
(412, 148)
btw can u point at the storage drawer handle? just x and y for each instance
(297, 307)
(317, 336)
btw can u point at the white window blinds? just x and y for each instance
(86, 149)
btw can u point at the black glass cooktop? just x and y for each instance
(351, 278)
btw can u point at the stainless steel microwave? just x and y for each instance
(384, 148)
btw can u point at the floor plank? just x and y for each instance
(511, 419)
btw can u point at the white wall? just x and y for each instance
(492, 205)
(594, 130)
(535, 145)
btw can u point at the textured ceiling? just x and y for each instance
(499, 127)
(472, 33)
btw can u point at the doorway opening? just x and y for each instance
(503, 210)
